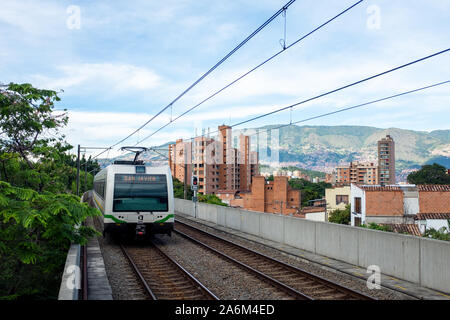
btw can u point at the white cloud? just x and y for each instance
(33, 17)
(112, 77)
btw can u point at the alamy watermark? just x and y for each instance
(374, 280)
(374, 20)
(73, 21)
(74, 279)
(250, 147)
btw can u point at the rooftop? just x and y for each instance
(412, 229)
(437, 216)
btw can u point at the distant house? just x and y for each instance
(436, 221)
(266, 196)
(315, 213)
(425, 206)
(337, 198)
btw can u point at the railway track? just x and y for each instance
(162, 277)
(298, 283)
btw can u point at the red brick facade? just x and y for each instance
(434, 199)
(266, 196)
(275, 196)
(384, 203)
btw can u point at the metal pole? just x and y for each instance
(85, 175)
(195, 204)
(78, 171)
(185, 170)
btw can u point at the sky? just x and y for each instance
(117, 63)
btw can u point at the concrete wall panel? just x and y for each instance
(395, 254)
(272, 227)
(232, 218)
(337, 241)
(250, 222)
(435, 264)
(300, 233)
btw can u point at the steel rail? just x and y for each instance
(328, 283)
(289, 290)
(136, 270)
(186, 274)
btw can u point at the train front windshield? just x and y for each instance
(140, 192)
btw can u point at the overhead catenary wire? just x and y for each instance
(358, 105)
(346, 109)
(335, 90)
(261, 27)
(251, 70)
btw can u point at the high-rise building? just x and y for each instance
(179, 155)
(217, 164)
(386, 161)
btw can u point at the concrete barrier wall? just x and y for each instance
(419, 260)
(71, 279)
(337, 241)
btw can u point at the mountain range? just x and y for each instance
(322, 148)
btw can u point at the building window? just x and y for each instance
(341, 199)
(357, 205)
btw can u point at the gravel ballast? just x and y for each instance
(322, 271)
(223, 278)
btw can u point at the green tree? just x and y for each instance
(178, 189)
(441, 234)
(340, 216)
(33, 153)
(430, 174)
(39, 218)
(309, 190)
(375, 226)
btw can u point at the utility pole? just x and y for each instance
(85, 167)
(78, 171)
(85, 174)
(185, 170)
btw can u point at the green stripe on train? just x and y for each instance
(114, 219)
(121, 221)
(165, 219)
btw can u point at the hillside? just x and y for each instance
(322, 148)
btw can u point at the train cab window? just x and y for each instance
(140, 169)
(140, 192)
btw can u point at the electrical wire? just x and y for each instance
(268, 21)
(250, 71)
(334, 90)
(343, 109)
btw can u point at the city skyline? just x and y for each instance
(117, 68)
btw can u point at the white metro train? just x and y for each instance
(135, 200)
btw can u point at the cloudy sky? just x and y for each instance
(120, 62)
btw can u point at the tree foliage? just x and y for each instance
(36, 231)
(340, 216)
(430, 174)
(375, 226)
(39, 214)
(211, 198)
(441, 234)
(309, 190)
(178, 190)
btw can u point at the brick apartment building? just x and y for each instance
(357, 172)
(401, 205)
(216, 163)
(370, 173)
(266, 196)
